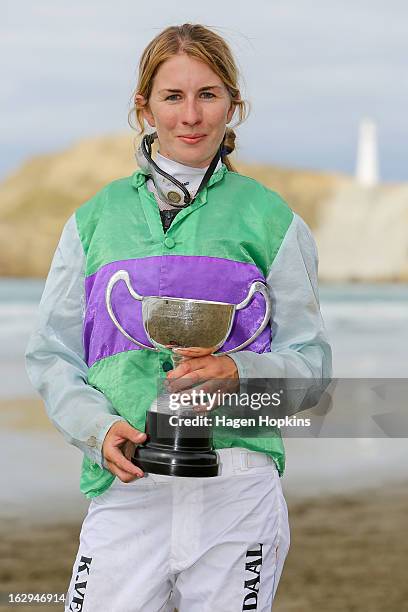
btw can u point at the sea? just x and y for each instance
(368, 330)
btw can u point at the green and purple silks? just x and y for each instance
(213, 250)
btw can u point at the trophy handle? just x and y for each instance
(256, 287)
(123, 275)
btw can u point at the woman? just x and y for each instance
(157, 542)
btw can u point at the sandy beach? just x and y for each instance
(348, 553)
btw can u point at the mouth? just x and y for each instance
(192, 138)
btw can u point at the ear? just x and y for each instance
(141, 102)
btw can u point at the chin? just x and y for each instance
(195, 159)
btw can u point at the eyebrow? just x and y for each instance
(201, 89)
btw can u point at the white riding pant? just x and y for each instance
(198, 544)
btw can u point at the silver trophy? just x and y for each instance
(170, 323)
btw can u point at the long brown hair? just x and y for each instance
(203, 44)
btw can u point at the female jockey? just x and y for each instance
(184, 225)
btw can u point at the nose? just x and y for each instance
(191, 112)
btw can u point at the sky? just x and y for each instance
(312, 70)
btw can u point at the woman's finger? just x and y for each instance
(190, 365)
(121, 474)
(186, 381)
(117, 458)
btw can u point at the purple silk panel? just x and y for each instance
(204, 278)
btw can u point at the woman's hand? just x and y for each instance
(118, 448)
(209, 374)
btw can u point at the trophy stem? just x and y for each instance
(176, 359)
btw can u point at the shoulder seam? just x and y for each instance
(79, 235)
(283, 241)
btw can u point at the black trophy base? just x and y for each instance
(176, 451)
(176, 463)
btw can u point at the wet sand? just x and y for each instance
(349, 553)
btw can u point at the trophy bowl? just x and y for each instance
(200, 325)
(175, 322)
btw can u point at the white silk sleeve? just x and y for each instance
(55, 354)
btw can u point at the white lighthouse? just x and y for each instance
(367, 156)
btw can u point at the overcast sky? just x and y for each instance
(312, 70)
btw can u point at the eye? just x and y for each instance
(207, 94)
(173, 97)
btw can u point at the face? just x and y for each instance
(189, 107)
